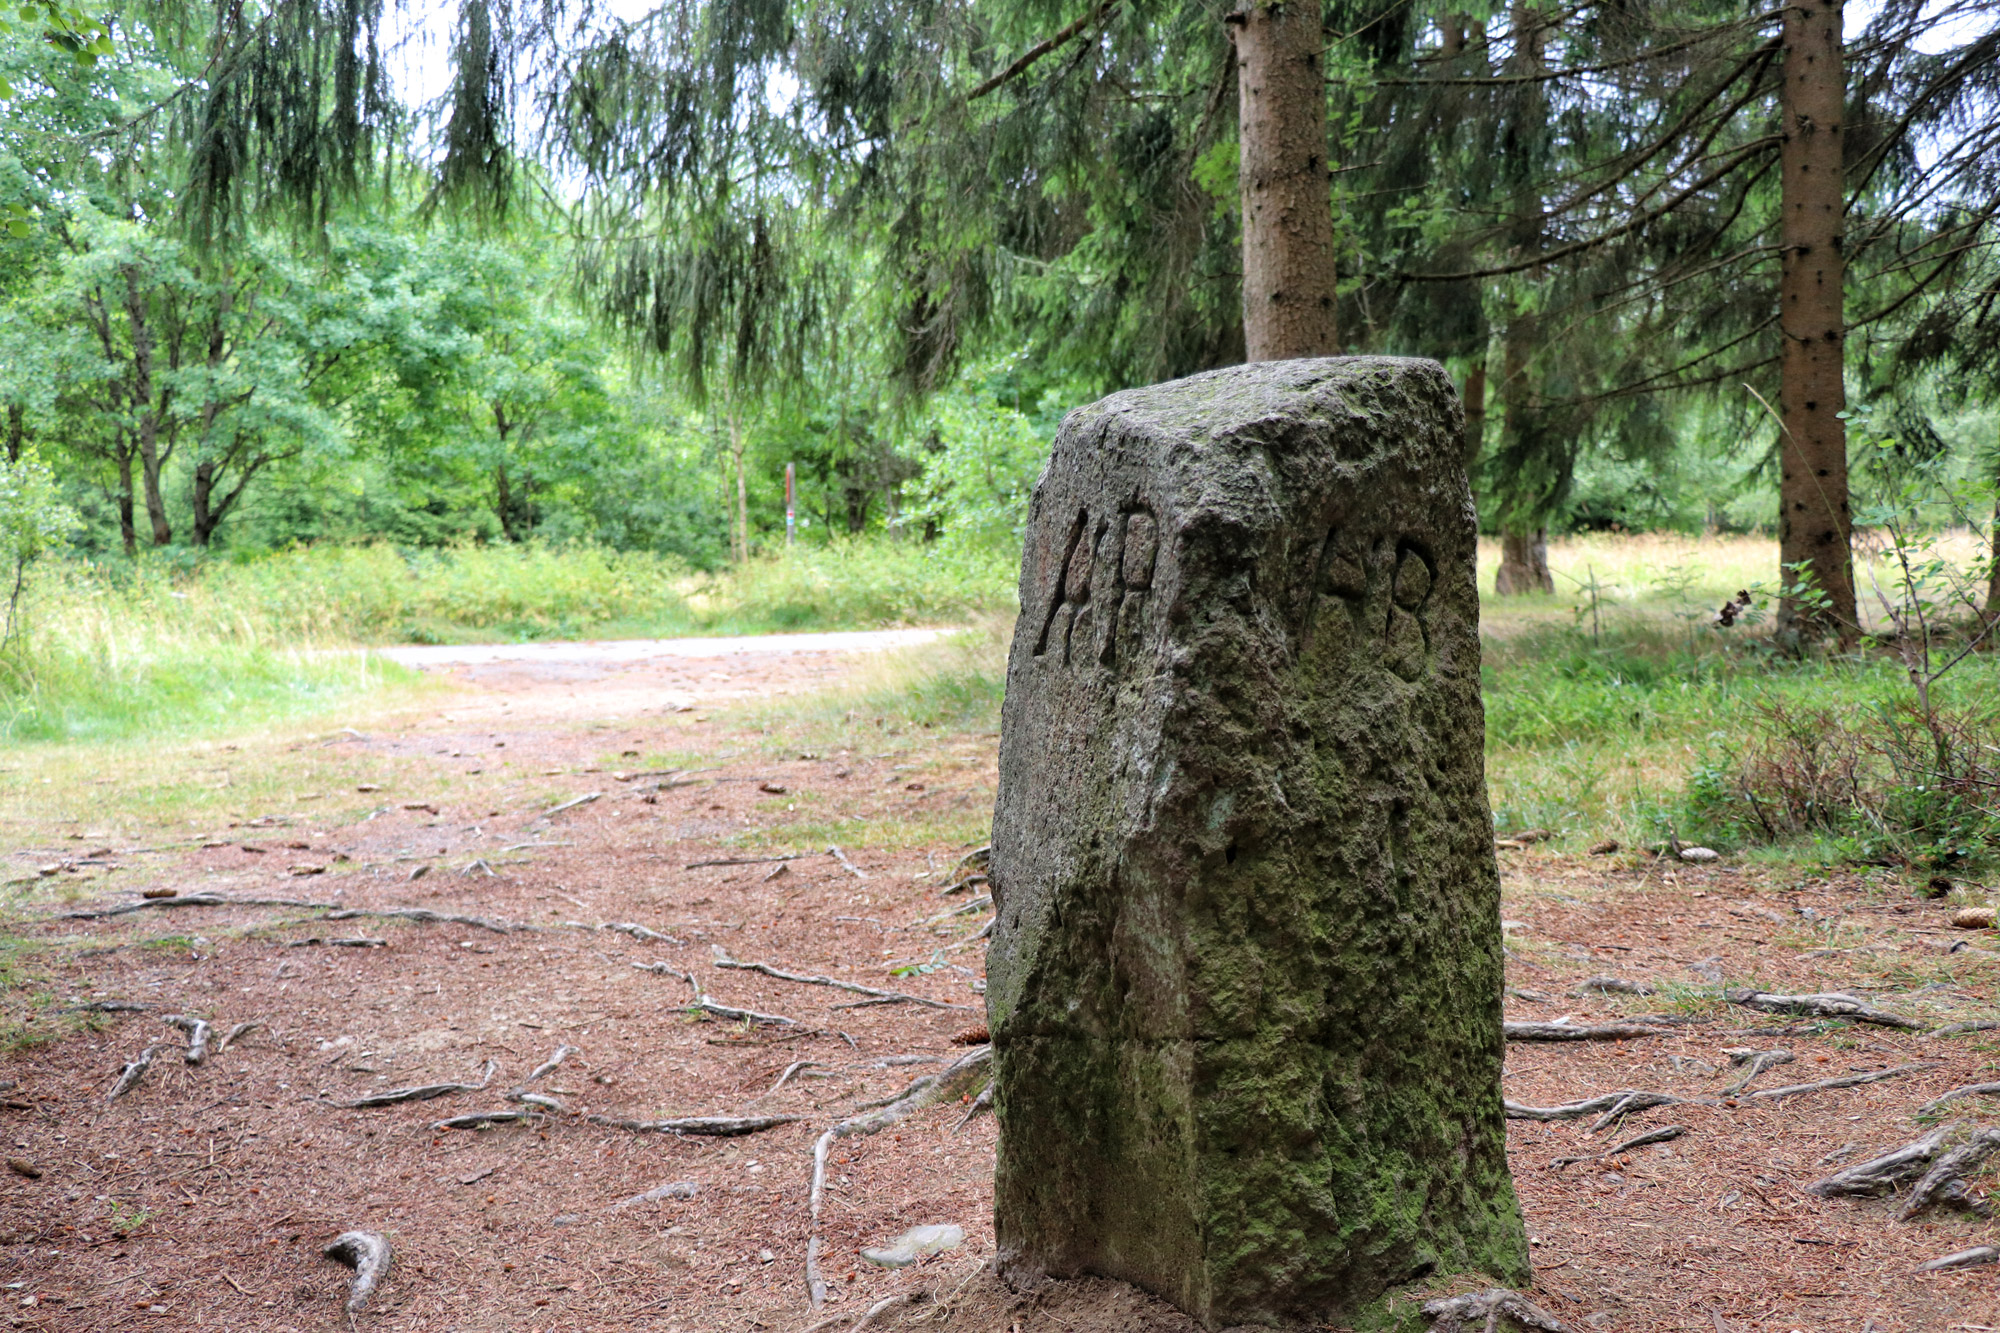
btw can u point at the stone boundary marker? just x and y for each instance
(1245, 984)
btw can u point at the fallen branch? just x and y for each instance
(706, 1126)
(1945, 1183)
(350, 942)
(1484, 1311)
(723, 960)
(367, 1253)
(185, 900)
(1821, 1006)
(1880, 1175)
(1577, 1031)
(135, 1069)
(198, 1032)
(1978, 1254)
(1664, 1134)
(852, 868)
(925, 1091)
(422, 1092)
(1969, 1090)
(1851, 1081)
(108, 1007)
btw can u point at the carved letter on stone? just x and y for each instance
(1244, 987)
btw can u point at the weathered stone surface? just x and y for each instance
(1245, 984)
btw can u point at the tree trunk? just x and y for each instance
(1814, 522)
(1288, 277)
(1475, 412)
(1993, 571)
(1524, 563)
(146, 411)
(128, 528)
(17, 431)
(742, 487)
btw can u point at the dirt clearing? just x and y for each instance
(591, 850)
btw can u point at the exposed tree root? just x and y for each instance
(1579, 1031)
(632, 928)
(135, 1069)
(1850, 1081)
(488, 1119)
(673, 1189)
(424, 914)
(926, 1091)
(1574, 1110)
(519, 1092)
(1757, 1062)
(1978, 1254)
(850, 867)
(241, 1029)
(198, 1033)
(1945, 1184)
(1664, 1134)
(1490, 1311)
(367, 1253)
(707, 1126)
(1822, 1006)
(1613, 986)
(334, 911)
(421, 1092)
(1957, 1029)
(708, 1005)
(1879, 1175)
(723, 960)
(1969, 1090)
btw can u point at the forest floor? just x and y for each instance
(201, 1198)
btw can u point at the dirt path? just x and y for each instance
(200, 1200)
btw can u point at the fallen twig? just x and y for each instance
(1879, 1175)
(707, 1126)
(1945, 1183)
(722, 959)
(349, 942)
(135, 1069)
(632, 928)
(184, 900)
(1851, 1081)
(1821, 1006)
(421, 1092)
(367, 1253)
(851, 868)
(925, 1091)
(198, 1032)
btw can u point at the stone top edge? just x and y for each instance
(1233, 397)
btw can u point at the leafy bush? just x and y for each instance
(1888, 782)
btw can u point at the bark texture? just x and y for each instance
(1288, 260)
(1814, 523)
(1244, 986)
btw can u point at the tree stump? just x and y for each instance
(1245, 984)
